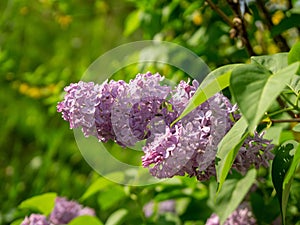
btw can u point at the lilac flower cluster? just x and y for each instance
(64, 211)
(241, 216)
(144, 109)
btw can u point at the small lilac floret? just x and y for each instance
(78, 106)
(64, 211)
(35, 219)
(241, 216)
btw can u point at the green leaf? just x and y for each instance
(289, 178)
(111, 197)
(86, 220)
(43, 203)
(294, 55)
(281, 173)
(255, 89)
(215, 81)
(133, 22)
(117, 217)
(297, 128)
(228, 148)
(231, 195)
(100, 184)
(274, 63)
(17, 222)
(237, 195)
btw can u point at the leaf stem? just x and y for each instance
(280, 111)
(289, 101)
(281, 120)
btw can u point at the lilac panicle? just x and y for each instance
(241, 216)
(78, 106)
(109, 92)
(64, 211)
(141, 101)
(35, 219)
(191, 147)
(88, 106)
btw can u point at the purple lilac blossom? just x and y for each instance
(109, 92)
(137, 105)
(35, 219)
(191, 147)
(78, 106)
(144, 109)
(64, 211)
(241, 216)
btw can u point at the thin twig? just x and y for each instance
(220, 12)
(240, 26)
(282, 120)
(283, 106)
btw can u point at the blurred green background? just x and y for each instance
(44, 46)
(47, 44)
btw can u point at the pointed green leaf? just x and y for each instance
(237, 195)
(86, 220)
(281, 173)
(43, 203)
(132, 22)
(100, 184)
(274, 63)
(117, 217)
(294, 54)
(255, 89)
(215, 81)
(228, 148)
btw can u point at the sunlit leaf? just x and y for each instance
(237, 195)
(17, 222)
(297, 128)
(215, 81)
(255, 89)
(133, 22)
(231, 195)
(294, 56)
(86, 220)
(100, 184)
(228, 148)
(117, 217)
(43, 203)
(274, 63)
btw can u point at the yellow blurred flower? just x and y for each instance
(197, 18)
(277, 17)
(64, 20)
